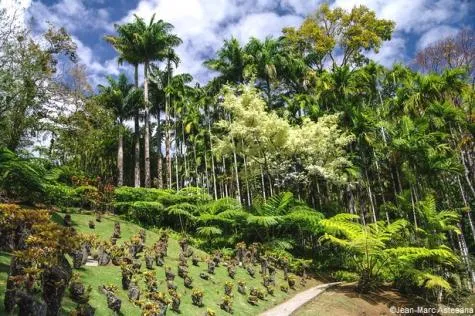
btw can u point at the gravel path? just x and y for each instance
(290, 306)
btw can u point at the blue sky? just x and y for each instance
(204, 24)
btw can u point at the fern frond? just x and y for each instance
(264, 221)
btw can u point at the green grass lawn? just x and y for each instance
(214, 288)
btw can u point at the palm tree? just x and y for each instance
(230, 62)
(151, 42)
(124, 44)
(265, 57)
(123, 99)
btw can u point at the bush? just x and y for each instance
(143, 212)
(59, 194)
(65, 196)
(346, 276)
(20, 178)
(129, 194)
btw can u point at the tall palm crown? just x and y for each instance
(124, 43)
(152, 41)
(120, 96)
(230, 62)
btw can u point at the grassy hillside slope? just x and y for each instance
(214, 288)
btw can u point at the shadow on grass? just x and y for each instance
(5, 262)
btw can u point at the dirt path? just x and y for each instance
(288, 307)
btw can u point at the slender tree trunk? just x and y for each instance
(120, 157)
(136, 135)
(148, 180)
(465, 202)
(213, 171)
(167, 130)
(248, 192)
(225, 180)
(370, 195)
(208, 186)
(413, 208)
(263, 185)
(183, 153)
(195, 164)
(466, 258)
(159, 153)
(177, 177)
(238, 190)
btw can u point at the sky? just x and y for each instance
(203, 25)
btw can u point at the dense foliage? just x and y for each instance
(300, 143)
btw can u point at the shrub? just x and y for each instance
(346, 276)
(59, 194)
(129, 194)
(146, 213)
(20, 177)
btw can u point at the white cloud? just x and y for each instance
(413, 15)
(97, 70)
(435, 34)
(301, 7)
(390, 52)
(73, 15)
(261, 25)
(204, 24)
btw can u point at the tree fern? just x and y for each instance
(209, 231)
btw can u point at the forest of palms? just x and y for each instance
(300, 145)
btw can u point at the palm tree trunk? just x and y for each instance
(465, 256)
(177, 177)
(225, 180)
(136, 135)
(465, 202)
(248, 192)
(263, 185)
(148, 180)
(176, 140)
(120, 157)
(167, 131)
(206, 172)
(413, 208)
(370, 194)
(182, 150)
(159, 153)
(213, 171)
(238, 190)
(195, 164)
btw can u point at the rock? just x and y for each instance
(211, 266)
(169, 275)
(195, 261)
(29, 305)
(54, 282)
(113, 302)
(188, 282)
(85, 310)
(77, 292)
(137, 264)
(134, 292)
(241, 288)
(149, 262)
(251, 271)
(104, 258)
(182, 271)
(77, 256)
(67, 221)
(171, 285)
